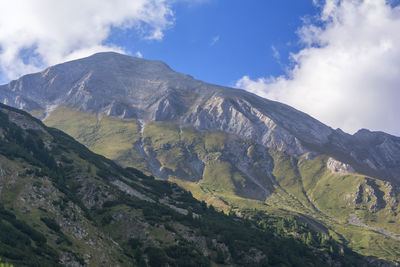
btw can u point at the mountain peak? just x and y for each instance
(118, 85)
(116, 63)
(104, 57)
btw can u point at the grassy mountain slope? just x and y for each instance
(64, 205)
(354, 208)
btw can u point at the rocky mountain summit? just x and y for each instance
(230, 148)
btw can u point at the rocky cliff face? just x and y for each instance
(127, 87)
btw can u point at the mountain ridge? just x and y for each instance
(231, 148)
(127, 87)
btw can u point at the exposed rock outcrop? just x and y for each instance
(339, 167)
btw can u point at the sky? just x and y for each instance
(337, 60)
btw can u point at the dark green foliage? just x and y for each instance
(157, 257)
(258, 231)
(32, 233)
(138, 173)
(51, 223)
(23, 245)
(106, 220)
(268, 234)
(139, 258)
(159, 188)
(134, 243)
(308, 238)
(66, 160)
(186, 255)
(62, 239)
(220, 258)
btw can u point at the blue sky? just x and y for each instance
(220, 41)
(337, 60)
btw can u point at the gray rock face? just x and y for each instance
(22, 121)
(128, 87)
(373, 153)
(339, 167)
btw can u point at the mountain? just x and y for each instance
(61, 204)
(230, 148)
(127, 87)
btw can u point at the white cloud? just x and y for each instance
(139, 54)
(348, 74)
(34, 34)
(214, 40)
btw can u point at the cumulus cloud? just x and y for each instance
(34, 34)
(348, 74)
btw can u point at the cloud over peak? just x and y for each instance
(348, 74)
(34, 34)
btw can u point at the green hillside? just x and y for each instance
(61, 204)
(355, 209)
